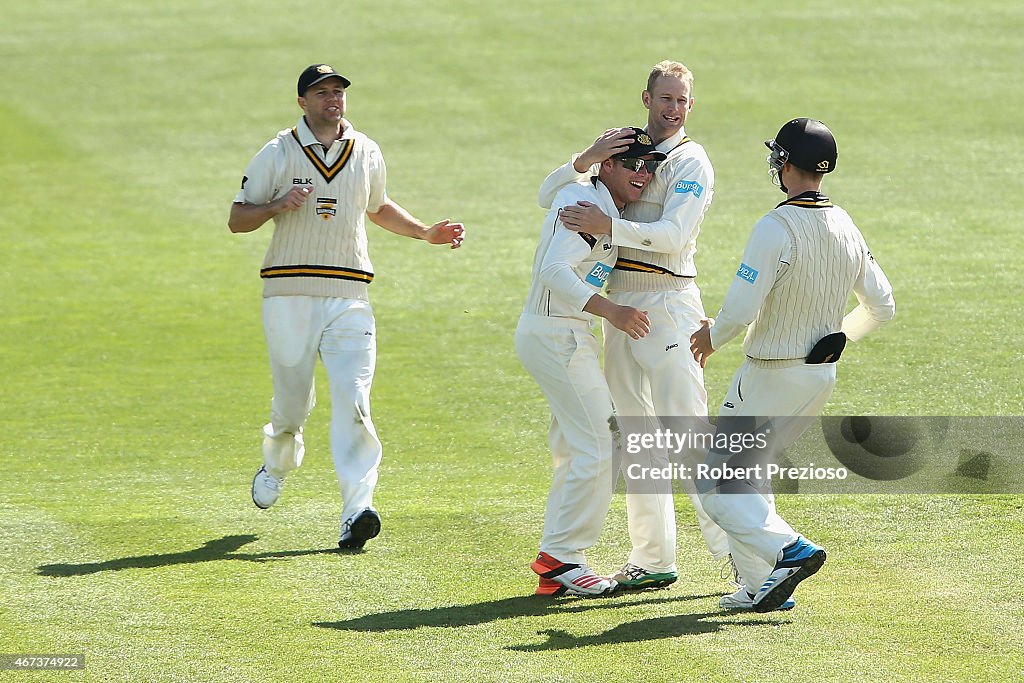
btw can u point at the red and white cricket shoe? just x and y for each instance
(564, 578)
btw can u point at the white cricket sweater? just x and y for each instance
(321, 248)
(802, 261)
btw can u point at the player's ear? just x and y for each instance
(645, 97)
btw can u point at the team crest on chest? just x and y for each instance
(326, 207)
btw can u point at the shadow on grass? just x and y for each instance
(644, 630)
(492, 610)
(211, 551)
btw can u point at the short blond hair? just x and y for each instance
(670, 68)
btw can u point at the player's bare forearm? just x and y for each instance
(249, 217)
(632, 321)
(611, 142)
(393, 218)
(586, 217)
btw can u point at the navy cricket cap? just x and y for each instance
(807, 144)
(642, 146)
(315, 73)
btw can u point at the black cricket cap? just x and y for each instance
(808, 144)
(315, 73)
(642, 146)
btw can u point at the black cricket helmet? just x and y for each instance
(805, 143)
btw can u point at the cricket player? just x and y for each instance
(802, 261)
(657, 239)
(555, 343)
(318, 181)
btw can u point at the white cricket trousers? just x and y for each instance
(562, 354)
(657, 376)
(343, 334)
(756, 531)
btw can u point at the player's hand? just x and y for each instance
(446, 232)
(586, 217)
(611, 142)
(632, 321)
(700, 342)
(295, 198)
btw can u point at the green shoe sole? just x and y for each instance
(650, 581)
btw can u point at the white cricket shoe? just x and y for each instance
(730, 573)
(266, 488)
(742, 601)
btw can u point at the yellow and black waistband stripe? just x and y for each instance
(328, 172)
(641, 267)
(333, 272)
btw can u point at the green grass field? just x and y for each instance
(135, 378)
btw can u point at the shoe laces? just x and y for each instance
(633, 571)
(730, 572)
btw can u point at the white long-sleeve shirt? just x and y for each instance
(570, 267)
(800, 264)
(658, 233)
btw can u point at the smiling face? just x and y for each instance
(668, 102)
(624, 184)
(324, 103)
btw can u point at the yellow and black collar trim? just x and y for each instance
(331, 272)
(808, 200)
(679, 144)
(641, 267)
(328, 172)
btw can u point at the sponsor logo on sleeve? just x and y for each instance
(690, 186)
(598, 275)
(746, 273)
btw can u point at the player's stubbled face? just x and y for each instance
(668, 103)
(326, 100)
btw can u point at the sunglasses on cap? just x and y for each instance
(635, 165)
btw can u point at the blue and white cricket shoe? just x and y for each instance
(799, 560)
